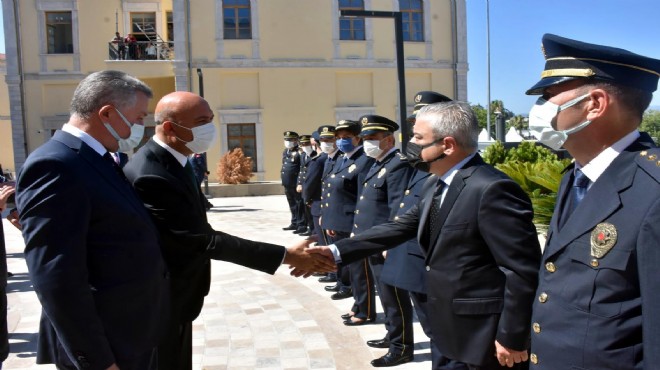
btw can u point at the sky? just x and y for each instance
(516, 29)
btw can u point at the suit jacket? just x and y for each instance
(290, 167)
(604, 312)
(382, 188)
(341, 191)
(311, 183)
(93, 256)
(188, 241)
(404, 265)
(481, 267)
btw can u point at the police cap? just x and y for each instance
(424, 98)
(349, 125)
(290, 135)
(372, 124)
(326, 131)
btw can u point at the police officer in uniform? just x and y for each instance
(598, 301)
(340, 194)
(289, 175)
(380, 199)
(404, 265)
(305, 157)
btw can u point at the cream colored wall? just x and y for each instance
(441, 30)
(6, 145)
(202, 30)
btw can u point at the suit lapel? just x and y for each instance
(100, 165)
(599, 203)
(177, 171)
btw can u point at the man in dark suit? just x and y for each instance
(6, 191)
(163, 178)
(91, 248)
(598, 303)
(289, 176)
(481, 249)
(404, 265)
(381, 192)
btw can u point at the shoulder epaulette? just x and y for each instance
(649, 161)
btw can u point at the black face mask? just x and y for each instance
(414, 152)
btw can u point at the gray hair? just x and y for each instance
(452, 118)
(106, 87)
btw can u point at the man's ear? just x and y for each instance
(599, 101)
(104, 113)
(450, 145)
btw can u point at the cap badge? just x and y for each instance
(365, 120)
(352, 168)
(418, 98)
(603, 238)
(325, 129)
(382, 172)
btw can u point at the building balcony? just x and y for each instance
(142, 58)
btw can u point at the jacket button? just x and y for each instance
(407, 192)
(428, 268)
(328, 195)
(356, 226)
(396, 218)
(365, 185)
(594, 263)
(357, 211)
(550, 267)
(543, 297)
(536, 327)
(533, 358)
(401, 205)
(361, 196)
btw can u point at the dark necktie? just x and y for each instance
(434, 213)
(575, 196)
(191, 176)
(108, 157)
(343, 162)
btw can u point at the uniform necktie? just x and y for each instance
(115, 155)
(343, 161)
(108, 157)
(576, 194)
(434, 213)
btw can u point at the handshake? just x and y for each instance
(304, 260)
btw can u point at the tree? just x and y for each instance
(518, 122)
(651, 124)
(481, 114)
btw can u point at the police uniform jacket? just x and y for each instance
(482, 265)
(304, 160)
(404, 265)
(341, 191)
(311, 185)
(382, 189)
(290, 167)
(603, 312)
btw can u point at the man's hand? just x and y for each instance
(13, 219)
(304, 263)
(508, 357)
(299, 188)
(331, 233)
(6, 190)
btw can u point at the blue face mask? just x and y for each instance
(345, 145)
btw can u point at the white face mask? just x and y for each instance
(204, 137)
(289, 144)
(137, 132)
(307, 149)
(372, 148)
(541, 116)
(327, 148)
(112, 130)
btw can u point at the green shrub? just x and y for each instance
(494, 154)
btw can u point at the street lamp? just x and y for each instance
(398, 31)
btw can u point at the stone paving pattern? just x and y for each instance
(250, 320)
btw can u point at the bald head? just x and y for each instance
(176, 114)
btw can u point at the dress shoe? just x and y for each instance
(392, 359)
(327, 279)
(300, 230)
(307, 232)
(290, 227)
(342, 294)
(347, 316)
(355, 321)
(332, 288)
(380, 343)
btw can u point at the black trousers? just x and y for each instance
(364, 293)
(398, 310)
(292, 197)
(175, 349)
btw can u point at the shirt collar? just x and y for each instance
(449, 175)
(182, 159)
(85, 137)
(384, 155)
(598, 165)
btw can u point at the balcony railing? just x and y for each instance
(141, 50)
